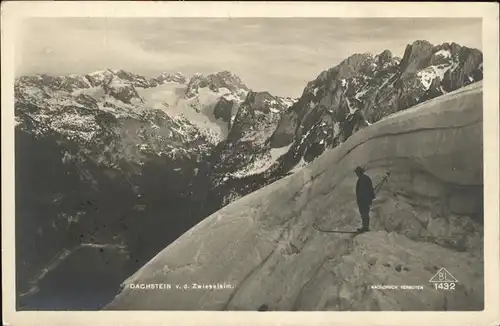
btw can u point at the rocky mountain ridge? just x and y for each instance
(359, 91)
(376, 86)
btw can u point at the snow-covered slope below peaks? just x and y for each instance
(199, 110)
(119, 92)
(265, 249)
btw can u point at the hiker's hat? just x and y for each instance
(359, 169)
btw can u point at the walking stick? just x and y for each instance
(381, 182)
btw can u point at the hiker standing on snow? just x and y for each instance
(364, 197)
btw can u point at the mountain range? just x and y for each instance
(113, 159)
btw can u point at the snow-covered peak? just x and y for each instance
(118, 82)
(98, 78)
(217, 82)
(101, 72)
(227, 79)
(122, 90)
(288, 101)
(176, 77)
(443, 53)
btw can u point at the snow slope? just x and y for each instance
(170, 97)
(428, 216)
(263, 164)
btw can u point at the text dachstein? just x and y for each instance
(190, 286)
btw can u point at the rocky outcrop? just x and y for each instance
(65, 83)
(214, 82)
(416, 57)
(259, 110)
(263, 250)
(466, 72)
(224, 110)
(435, 89)
(134, 79)
(73, 82)
(384, 58)
(242, 163)
(122, 91)
(169, 77)
(98, 78)
(225, 79)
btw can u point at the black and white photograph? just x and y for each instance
(249, 164)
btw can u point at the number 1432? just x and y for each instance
(444, 286)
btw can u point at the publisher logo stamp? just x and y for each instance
(443, 280)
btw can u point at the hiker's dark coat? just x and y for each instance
(364, 191)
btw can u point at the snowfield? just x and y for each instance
(170, 98)
(428, 74)
(426, 217)
(263, 163)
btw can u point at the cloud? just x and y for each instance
(275, 54)
(54, 48)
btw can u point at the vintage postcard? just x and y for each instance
(250, 163)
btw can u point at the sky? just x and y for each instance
(279, 55)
